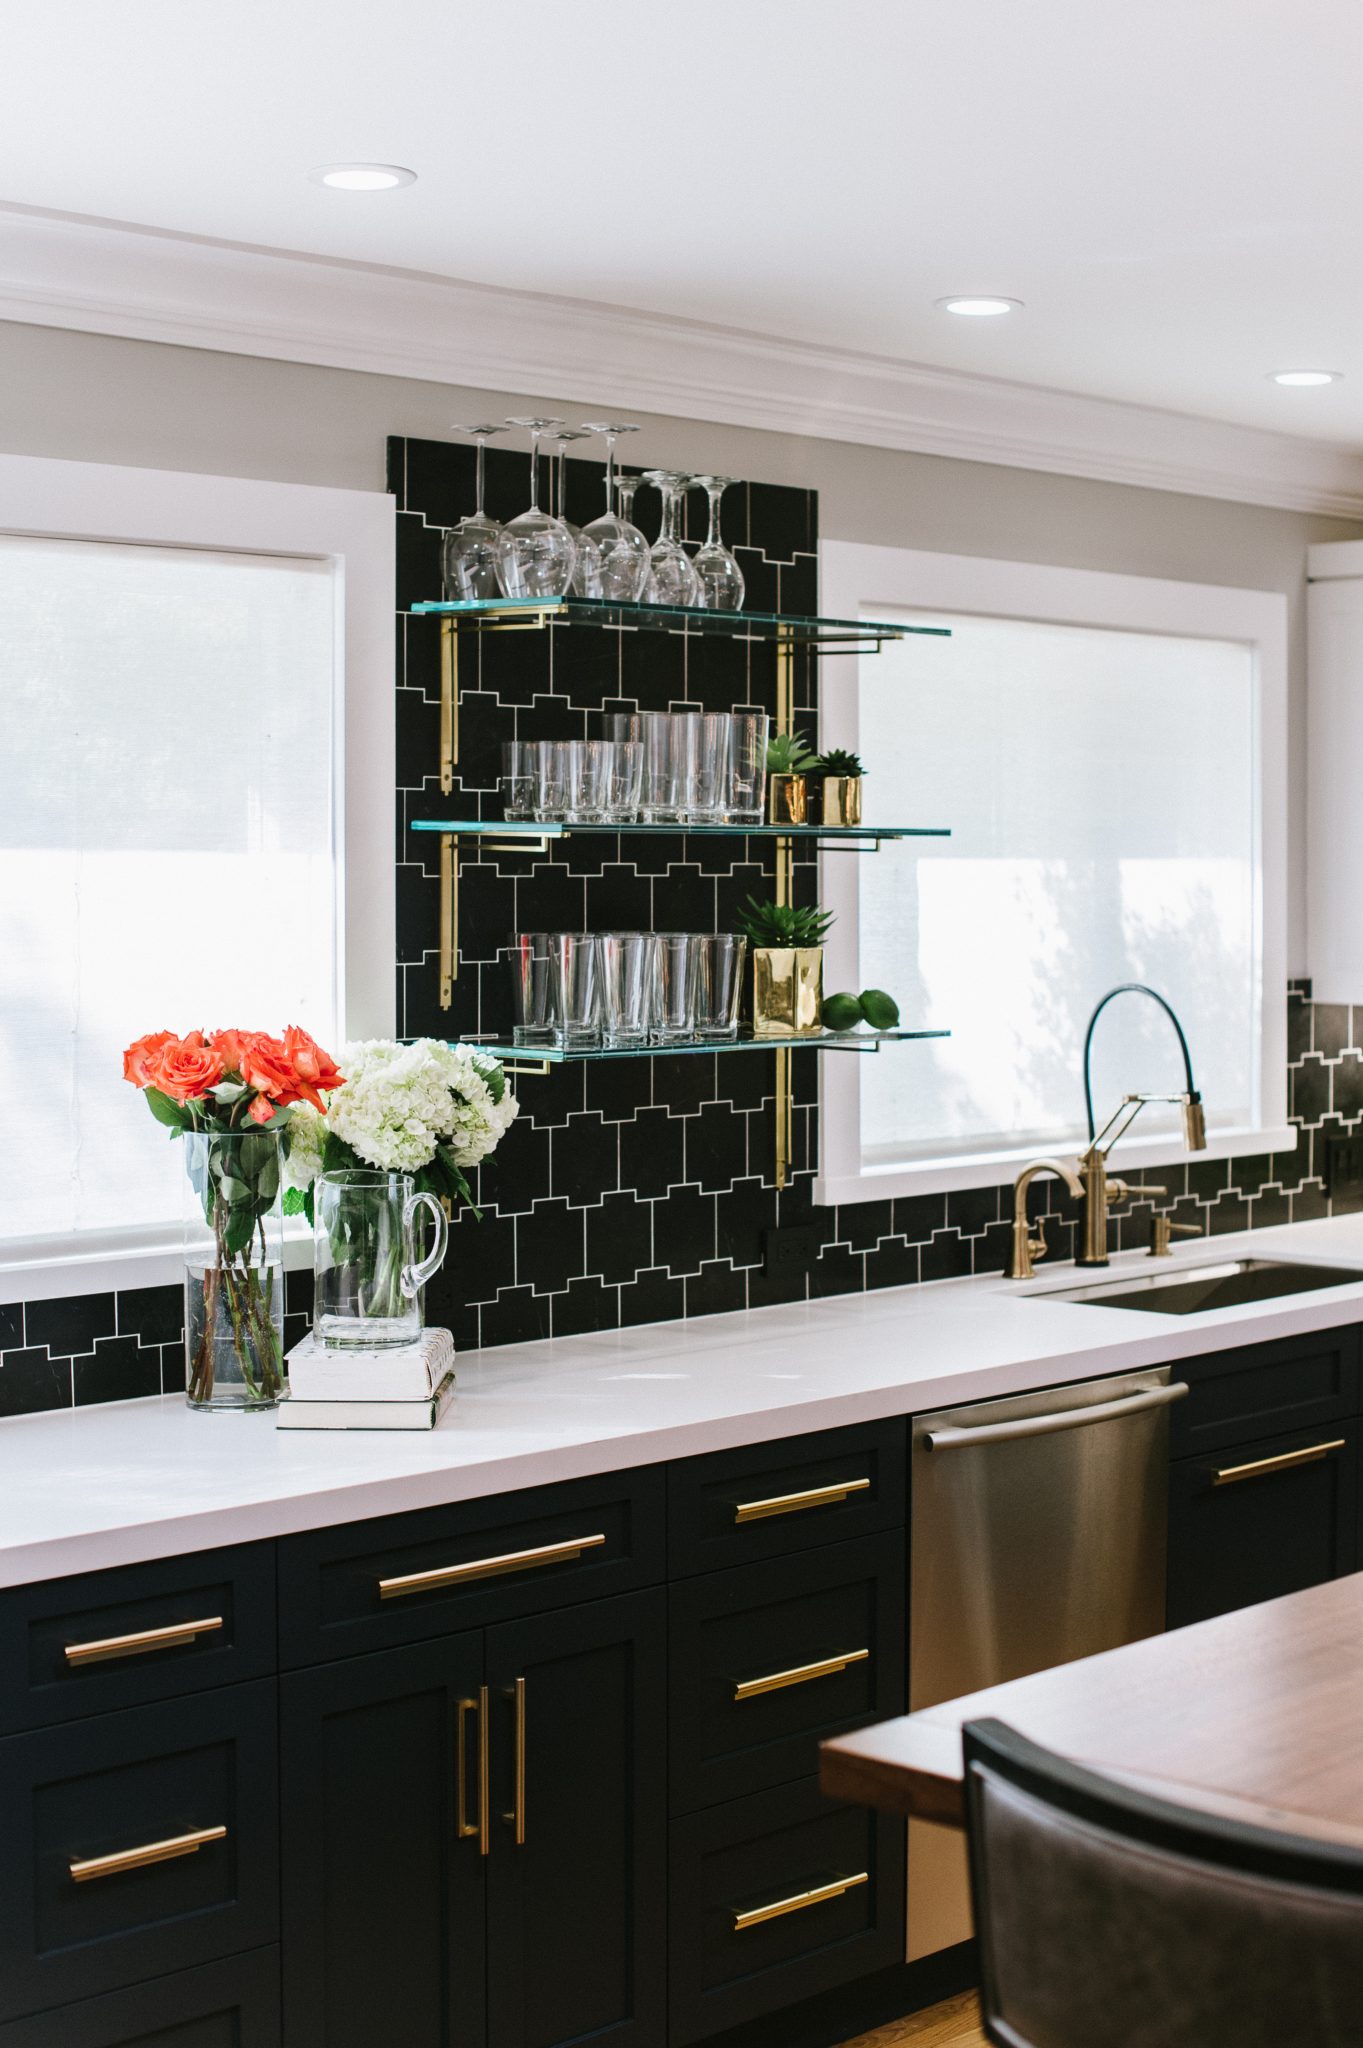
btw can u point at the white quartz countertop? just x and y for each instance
(91, 1487)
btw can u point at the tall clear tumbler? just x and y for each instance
(534, 1015)
(577, 989)
(719, 983)
(749, 732)
(674, 988)
(627, 986)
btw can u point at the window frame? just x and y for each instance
(355, 533)
(856, 578)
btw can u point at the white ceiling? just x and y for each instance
(1174, 187)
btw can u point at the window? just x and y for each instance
(1101, 748)
(175, 814)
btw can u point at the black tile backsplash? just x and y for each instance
(639, 1191)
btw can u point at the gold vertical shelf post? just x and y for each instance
(449, 704)
(785, 884)
(449, 918)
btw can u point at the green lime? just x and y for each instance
(880, 1011)
(841, 1012)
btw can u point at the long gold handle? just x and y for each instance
(516, 1818)
(464, 1827)
(799, 1674)
(797, 1901)
(167, 1638)
(796, 1503)
(147, 1852)
(1229, 1474)
(489, 1567)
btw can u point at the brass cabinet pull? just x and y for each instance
(167, 1638)
(148, 1852)
(465, 1827)
(489, 1567)
(1229, 1474)
(799, 1674)
(797, 1901)
(796, 1503)
(516, 1818)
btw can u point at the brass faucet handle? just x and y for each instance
(1162, 1228)
(1129, 1191)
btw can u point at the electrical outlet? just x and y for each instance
(792, 1250)
(1344, 1167)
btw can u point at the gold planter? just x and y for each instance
(787, 990)
(787, 799)
(842, 800)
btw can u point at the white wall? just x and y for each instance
(103, 399)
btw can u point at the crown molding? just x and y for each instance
(62, 270)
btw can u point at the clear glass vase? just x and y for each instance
(234, 1270)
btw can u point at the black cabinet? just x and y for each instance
(1262, 1519)
(474, 1837)
(232, 2004)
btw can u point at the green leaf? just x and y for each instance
(167, 1110)
(456, 1187)
(492, 1074)
(295, 1202)
(238, 1230)
(233, 1191)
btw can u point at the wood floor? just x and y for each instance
(953, 2024)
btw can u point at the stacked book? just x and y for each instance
(406, 1387)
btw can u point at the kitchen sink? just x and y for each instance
(1227, 1284)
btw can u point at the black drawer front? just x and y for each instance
(768, 1500)
(790, 1847)
(370, 1584)
(768, 1659)
(232, 2004)
(1257, 1390)
(128, 1782)
(1267, 1518)
(85, 1645)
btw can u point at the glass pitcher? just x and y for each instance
(368, 1274)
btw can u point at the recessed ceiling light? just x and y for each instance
(980, 308)
(1306, 377)
(362, 177)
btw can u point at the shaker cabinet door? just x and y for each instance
(383, 1890)
(577, 1877)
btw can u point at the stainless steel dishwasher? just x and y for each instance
(1038, 1534)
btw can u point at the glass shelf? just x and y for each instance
(812, 1041)
(797, 629)
(527, 828)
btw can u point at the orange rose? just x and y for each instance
(187, 1067)
(312, 1067)
(266, 1066)
(228, 1045)
(261, 1110)
(140, 1058)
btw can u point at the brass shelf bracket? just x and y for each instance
(449, 918)
(449, 704)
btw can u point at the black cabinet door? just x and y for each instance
(229, 2004)
(383, 1917)
(577, 1878)
(1263, 1519)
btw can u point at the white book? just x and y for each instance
(424, 1414)
(407, 1372)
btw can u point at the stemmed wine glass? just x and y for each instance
(470, 551)
(721, 579)
(535, 554)
(622, 548)
(672, 577)
(587, 561)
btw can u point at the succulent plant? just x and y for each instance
(784, 924)
(838, 762)
(788, 754)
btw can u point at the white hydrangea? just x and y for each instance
(307, 1131)
(400, 1101)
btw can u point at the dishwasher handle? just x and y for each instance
(1049, 1425)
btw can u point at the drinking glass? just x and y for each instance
(721, 579)
(674, 988)
(749, 732)
(587, 559)
(368, 1274)
(535, 554)
(719, 983)
(589, 767)
(551, 779)
(622, 548)
(660, 799)
(625, 487)
(672, 577)
(705, 767)
(534, 1016)
(518, 779)
(625, 780)
(470, 550)
(627, 986)
(577, 992)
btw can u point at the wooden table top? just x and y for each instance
(1257, 1714)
